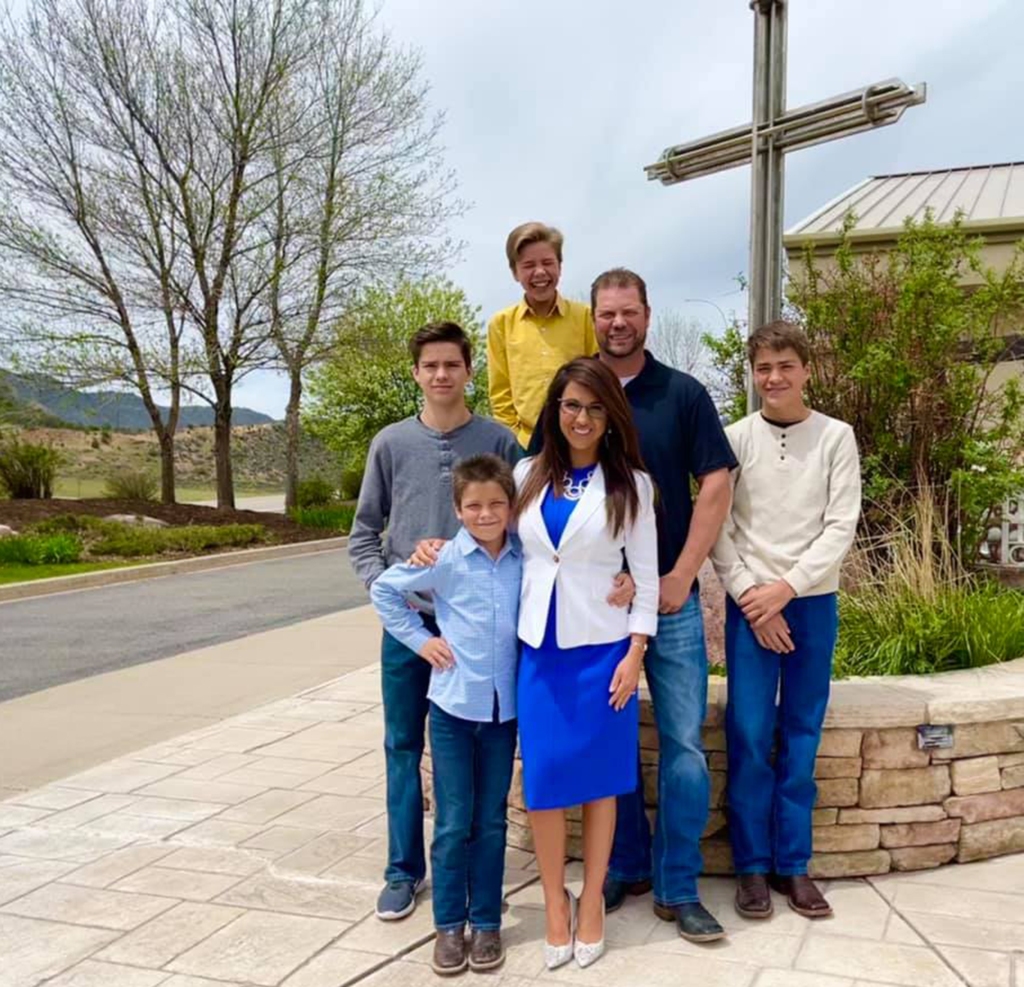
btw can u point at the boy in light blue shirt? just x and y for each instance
(475, 584)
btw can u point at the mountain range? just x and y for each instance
(35, 399)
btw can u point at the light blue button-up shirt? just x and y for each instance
(476, 599)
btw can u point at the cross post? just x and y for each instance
(764, 143)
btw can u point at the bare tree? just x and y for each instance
(679, 342)
(87, 253)
(360, 197)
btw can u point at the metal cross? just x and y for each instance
(765, 142)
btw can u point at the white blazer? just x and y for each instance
(583, 567)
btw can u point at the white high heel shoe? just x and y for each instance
(590, 952)
(556, 956)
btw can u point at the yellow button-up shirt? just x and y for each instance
(524, 350)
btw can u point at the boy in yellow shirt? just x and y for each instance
(527, 342)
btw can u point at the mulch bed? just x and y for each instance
(19, 513)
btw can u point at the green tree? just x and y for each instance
(905, 352)
(728, 381)
(367, 381)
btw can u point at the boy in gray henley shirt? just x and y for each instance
(407, 496)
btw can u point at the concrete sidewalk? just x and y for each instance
(250, 850)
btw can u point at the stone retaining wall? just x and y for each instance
(883, 804)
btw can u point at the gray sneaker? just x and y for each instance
(397, 900)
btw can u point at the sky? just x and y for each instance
(553, 107)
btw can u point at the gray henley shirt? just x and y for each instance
(407, 488)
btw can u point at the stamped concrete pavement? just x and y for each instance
(249, 851)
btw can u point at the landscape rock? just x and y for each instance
(975, 775)
(981, 808)
(859, 863)
(911, 786)
(922, 857)
(895, 748)
(140, 520)
(841, 839)
(837, 767)
(836, 792)
(921, 834)
(990, 839)
(6, 531)
(904, 814)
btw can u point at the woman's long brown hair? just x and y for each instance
(618, 452)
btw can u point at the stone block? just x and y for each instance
(648, 737)
(646, 711)
(520, 837)
(977, 739)
(981, 808)
(836, 791)
(922, 857)
(825, 817)
(990, 839)
(717, 760)
(890, 749)
(1011, 760)
(718, 780)
(909, 786)
(1013, 777)
(716, 821)
(837, 767)
(717, 856)
(648, 757)
(921, 834)
(858, 863)
(649, 772)
(713, 740)
(840, 743)
(842, 839)
(975, 775)
(904, 814)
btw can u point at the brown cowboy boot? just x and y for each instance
(803, 894)
(449, 952)
(485, 950)
(753, 899)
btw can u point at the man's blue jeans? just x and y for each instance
(405, 678)
(472, 773)
(677, 675)
(770, 807)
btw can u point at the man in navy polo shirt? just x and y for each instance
(681, 438)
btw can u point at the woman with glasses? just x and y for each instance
(583, 504)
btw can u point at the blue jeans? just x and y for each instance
(770, 807)
(405, 678)
(677, 674)
(472, 773)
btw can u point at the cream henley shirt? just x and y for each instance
(796, 501)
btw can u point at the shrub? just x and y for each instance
(914, 610)
(27, 470)
(316, 491)
(351, 481)
(131, 541)
(133, 485)
(40, 550)
(337, 517)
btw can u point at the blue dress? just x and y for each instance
(575, 747)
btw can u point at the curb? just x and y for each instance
(152, 570)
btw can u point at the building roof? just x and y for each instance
(990, 196)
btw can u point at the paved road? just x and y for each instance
(270, 503)
(54, 639)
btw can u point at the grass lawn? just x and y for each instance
(11, 572)
(84, 488)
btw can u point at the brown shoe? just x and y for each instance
(449, 952)
(803, 894)
(753, 899)
(485, 950)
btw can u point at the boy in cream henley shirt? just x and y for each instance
(796, 501)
